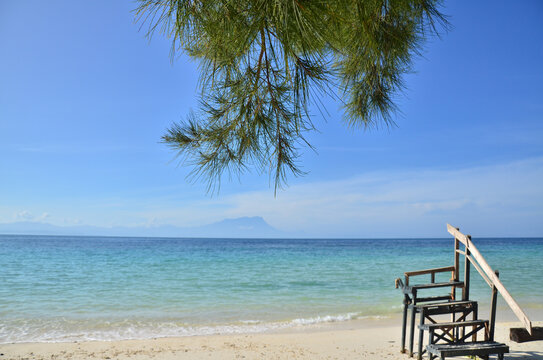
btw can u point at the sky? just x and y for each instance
(85, 97)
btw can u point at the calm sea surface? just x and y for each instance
(58, 288)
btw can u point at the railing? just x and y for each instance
(474, 257)
(432, 273)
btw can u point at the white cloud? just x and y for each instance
(496, 200)
(24, 216)
(28, 216)
(42, 217)
(504, 200)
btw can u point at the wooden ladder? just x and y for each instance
(458, 336)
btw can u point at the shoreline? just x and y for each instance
(369, 339)
(175, 330)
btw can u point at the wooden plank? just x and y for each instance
(493, 310)
(456, 260)
(456, 273)
(429, 271)
(437, 285)
(457, 234)
(492, 276)
(501, 288)
(476, 348)
(450, 303)
(465, 289)
(434, 298)
(453, 324)
(480, 271)
(520, 335)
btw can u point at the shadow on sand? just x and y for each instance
(525, 355)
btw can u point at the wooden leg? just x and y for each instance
(404, 323)
(463, 330)
(412, 331)
(475, 317)
(421, 333)
(431, 341)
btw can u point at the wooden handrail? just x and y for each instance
(482, 266)
(433, 272)
(429, 271)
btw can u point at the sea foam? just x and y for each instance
(64, 330)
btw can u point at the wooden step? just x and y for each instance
(448, 303)
(435, 285)
(434, 299)
(465, 349)
(448, 307)
(453, 324)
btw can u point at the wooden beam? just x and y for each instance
(501, 288)
(429, 271)
(456, 260)
(520, 335)
(491, 276)
(457, 234)
(480, 271)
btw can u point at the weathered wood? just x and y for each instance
(448, 304)
(453, 324)
(465, 289)
(404, 321)
(435, 298)
(493, 304)
(520, 335)
(476, 348)
(437, 285)
(457, 234)
(453, 307)
(480, 271)
(429, 271)
(501, 288)
(491, 276)
(456, 260)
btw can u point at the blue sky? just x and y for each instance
(85, 97)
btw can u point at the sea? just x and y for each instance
(75, 288)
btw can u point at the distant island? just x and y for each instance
(242, 227)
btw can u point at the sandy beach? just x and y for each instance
(360, 339)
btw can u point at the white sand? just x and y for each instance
(347, 340)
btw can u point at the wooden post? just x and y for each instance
(475, 317)
(493, 305)
(456, 259)
(404, 322)
(465, 290)
(412, 331)
(456, 266)
(421, 334)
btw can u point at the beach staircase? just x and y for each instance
(463, 333)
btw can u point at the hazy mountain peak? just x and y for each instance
(245, 227)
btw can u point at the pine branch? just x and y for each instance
(299, 51)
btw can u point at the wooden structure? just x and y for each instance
(474, 257)
(458, 336)
(521, 335)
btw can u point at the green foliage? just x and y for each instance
(264, 62)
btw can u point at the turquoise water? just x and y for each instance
(55, 288)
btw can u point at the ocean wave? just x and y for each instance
(70, 330)
(328, 318)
